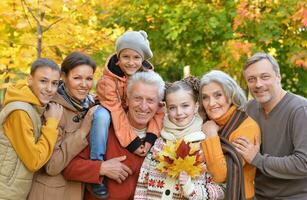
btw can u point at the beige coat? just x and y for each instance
(49, 183)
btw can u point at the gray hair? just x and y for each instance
(260, 56)
(148, 77)
(233, 91)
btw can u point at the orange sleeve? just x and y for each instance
(215, 159)
(110, 98)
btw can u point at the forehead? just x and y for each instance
(179, 96)
(46, 72)
(260, 67)
(211, 88)
(129, 52)
(144, 90)
(81, 70)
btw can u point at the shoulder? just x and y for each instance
(248, 128)
(295, 101)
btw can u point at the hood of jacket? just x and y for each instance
(21, 92)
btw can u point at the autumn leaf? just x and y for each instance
(180, 156)
(183, 150)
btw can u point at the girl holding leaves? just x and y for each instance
(175, 168)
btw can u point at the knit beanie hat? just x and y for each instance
(135, 40)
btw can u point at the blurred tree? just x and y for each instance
(219, 34)
(49, 28)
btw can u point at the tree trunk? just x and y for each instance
(40, 31)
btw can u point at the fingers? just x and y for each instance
(121, 158)
(127, 169)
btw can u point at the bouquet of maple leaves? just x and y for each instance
(179, 156)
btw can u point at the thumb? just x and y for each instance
(121, 158)
(256, 141)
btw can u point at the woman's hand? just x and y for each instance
(210, 128)
(87, 121)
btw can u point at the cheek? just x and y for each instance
(205, 104)
(90, 84)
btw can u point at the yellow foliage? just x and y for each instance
(180, 156)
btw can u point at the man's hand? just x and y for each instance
(115, 169)
(246, 148)
(55, 111)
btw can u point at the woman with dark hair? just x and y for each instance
(222, 102)
(77, 73)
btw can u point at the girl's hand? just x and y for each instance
(183, 178)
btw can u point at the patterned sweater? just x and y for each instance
(153, 184)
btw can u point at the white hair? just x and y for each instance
(148, 77)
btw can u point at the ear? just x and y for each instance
(30, 80)
(279, 78)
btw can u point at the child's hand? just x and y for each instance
(183, 178)
(186, 184)
(147, 148)
(139, 151)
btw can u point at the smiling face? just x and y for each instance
(263, 82)
(79, 81)
(214, 100)
(181, 107)
(44, 83)
(143, 103)
(129, 61)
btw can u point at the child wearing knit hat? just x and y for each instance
(132, 54)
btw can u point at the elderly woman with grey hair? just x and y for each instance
(221, 103)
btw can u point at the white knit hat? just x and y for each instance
(135, 40)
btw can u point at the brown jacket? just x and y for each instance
(48, 183)
(111, 92)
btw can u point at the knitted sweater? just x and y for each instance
(153, 184)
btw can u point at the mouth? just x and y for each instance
(82, 92)
(141, 114)
(214, 110)
(180, 119)
(47, 96)
(259, 92)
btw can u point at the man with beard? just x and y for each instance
(282, 160)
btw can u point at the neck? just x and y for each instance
(268, 107)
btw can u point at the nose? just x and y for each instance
(49, 87)
(211, 101)
(83, 83)
(258, 83)
(178, 111)
(143, 105)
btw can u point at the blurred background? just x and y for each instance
(186, 37)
